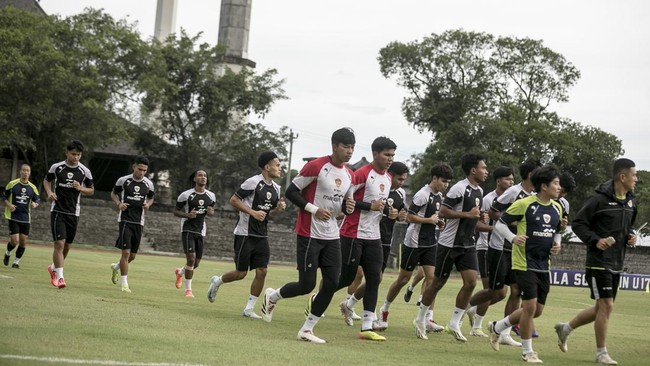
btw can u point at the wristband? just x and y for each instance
(312, 209)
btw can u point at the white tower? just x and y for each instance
(165, 19)
(234, 28)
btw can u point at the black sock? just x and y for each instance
(19, 252)
(10, 247)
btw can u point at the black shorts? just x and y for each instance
(603, 284)
(251, 252)
(129, 236)
(499, 268)
(64, 227)
(411, 257)
(314, 253)
(533, 285)
(192, 243)
(463, 258)
(386, 255)
(16, 227)
(481, 256)
(360, 252)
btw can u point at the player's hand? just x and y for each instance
(519, 239)
(564, 223)
(631, 240)
(52, 197)
(474, 213)
(602, 244)
(76, 185)
(441, 225)
(377, 205)
(146, 205)
(484, 217)
(392, 213)
(191, 214)
(434, 219)
(282, 205)
(324, 215)
(122, 206)
(402, 215)
(555, 249)
(259, 215)
(349, 205)
(34, 204)
(209, 211)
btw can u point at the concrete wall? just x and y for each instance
(98, 226)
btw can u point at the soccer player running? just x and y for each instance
(20, 196)
(456, 245)
(395, 201)
(132, 194)
(319, 191)
(481, 300)
(71, 179)
(192, 206)
(255, 199)
(538, 219)
(360, 234)
(604, 224)
(420, 241)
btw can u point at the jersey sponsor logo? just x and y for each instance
(547, 218)
(547, 233)
(338, 182)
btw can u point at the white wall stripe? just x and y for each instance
(92, 362)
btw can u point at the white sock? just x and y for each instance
(502, 325)
(59, 272)
(348, 296)
(368, 317)
(422, 313)
(420, 299)
(188, 284)
(310, 323)
(7, 253)
(506, 331)
(351, 301)
(478, 322)
(526, 346)
(275, 296)
(567, 328)
(456, 316)
(16, 260)
(600, 351)
(252, 300)
(386, 305)
(116, 266)
(430, 314)
(220, 282)
(182, 270)
(410, 288)
(124, 281)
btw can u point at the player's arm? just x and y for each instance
(179, 210)
(582, 223)
(279, 207)
(87, 188)
(447, 213)
(238, 204)
(483, 227)
(47, 184)
(150, 199)
(117, 201)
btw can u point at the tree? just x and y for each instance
(201, 114)
(62, 79)
(491, 95)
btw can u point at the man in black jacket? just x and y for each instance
(604, 224)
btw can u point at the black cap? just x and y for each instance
(343, 135)
(265, 157)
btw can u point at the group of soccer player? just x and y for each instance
(345, 222)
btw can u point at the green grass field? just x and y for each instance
(92, 320)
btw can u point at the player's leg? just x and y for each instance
(243, 248)
(371, 261)
(259, 262)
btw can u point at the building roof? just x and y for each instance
(29, 5)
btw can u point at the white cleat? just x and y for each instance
(477, 332)
(355, 316)
(531, 357)
(212, 290)
(494, 337)
(562, 335)
(379, 325)
(115, 274)
(267, 305)
(346, 312)
(471, 315)
(604, 359)
(433, 327)
(250, 313)
(507, 340)
(308, 336)
(420, 330)
(456, 333)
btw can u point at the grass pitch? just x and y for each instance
(92, 321)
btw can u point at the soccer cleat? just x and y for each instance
(515, 328)
(371, 336)
(310, 301)
(125, 288)
(432, 326)
(507, 340)
(346, 312)
(250, 313)
(213, 288)
(420, 330)
(15, 265)
(267, 310)
(477, 332)
(408, 294)
(52, 273)
(6, 260)
(188, 293)
(531, 357)
(471, 315)
(562, 336)
(379, 326)
(115, 274)
(355, 316)
(61, 283)
(383, 316)
(604, 359)
(494, 336)
(456, 333)
(535, 334)
(179, 278)
(308, 336)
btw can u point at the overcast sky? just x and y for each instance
(327, 53)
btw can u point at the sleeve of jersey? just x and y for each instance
(88, 179)
(36, 197)
(357, 189)
(50, 176)
(308, 174)
(454, 196)
(119, 186)
(418, 202)
(181, 201)
(247, 188)
(7, 192)
(515, 212)
(213, 197)
(151, 192)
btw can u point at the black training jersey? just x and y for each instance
(425, 204)
(199, 201)
(501, 204)
(134, 193)
(395, 200)
(20, 195)
(260, 196)
(63, 176)
(463, 196)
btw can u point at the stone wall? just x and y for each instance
(98, 226)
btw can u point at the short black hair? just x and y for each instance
(544, 175)
(443, 171)
(398, 168)
(528, 167)
(141, 160)
(265, 158)
(382, 143)
(469, 161)
(502, 172)
(567, 182)
(620, 165)
(344, 136)
(75, 145)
